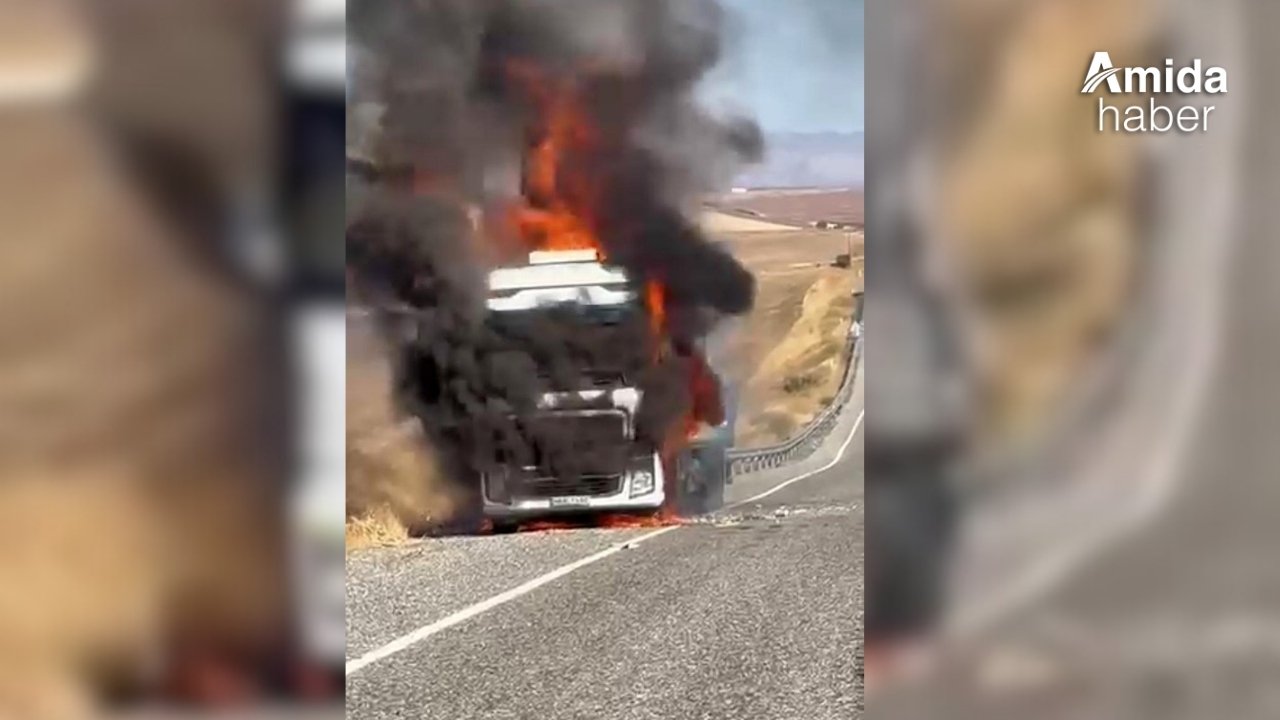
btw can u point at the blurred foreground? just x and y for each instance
(151, 541)
(1114, 299)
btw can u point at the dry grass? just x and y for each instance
(723, 223)
(802, 372)
(770, 254)
(376, 529)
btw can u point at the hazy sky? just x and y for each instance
(795, 65)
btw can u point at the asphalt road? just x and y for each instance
(1178, 616)
(753, 612)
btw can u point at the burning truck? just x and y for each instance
(589, 451)
(523, 203)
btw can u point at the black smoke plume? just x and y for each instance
(451, 92)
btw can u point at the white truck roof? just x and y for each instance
(556, 277)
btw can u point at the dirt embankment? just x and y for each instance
(786, 351)
(802, 373)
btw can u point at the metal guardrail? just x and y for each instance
(809, 439)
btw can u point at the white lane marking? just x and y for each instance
(413, 638)
(406, 641)
(839, 456)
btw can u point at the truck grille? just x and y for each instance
(576, 452)
(586, 430)
(548, 487)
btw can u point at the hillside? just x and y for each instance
(786, 349)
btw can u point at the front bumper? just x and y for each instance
(626, 493)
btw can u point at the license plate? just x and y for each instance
(570, 501)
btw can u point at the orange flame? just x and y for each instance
(556, 211)
(655, 298)
(555, 214)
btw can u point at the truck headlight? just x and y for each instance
(641, 483)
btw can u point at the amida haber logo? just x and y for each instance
(1153, 82)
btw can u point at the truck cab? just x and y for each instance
(603, 407)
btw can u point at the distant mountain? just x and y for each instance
(827, 160)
